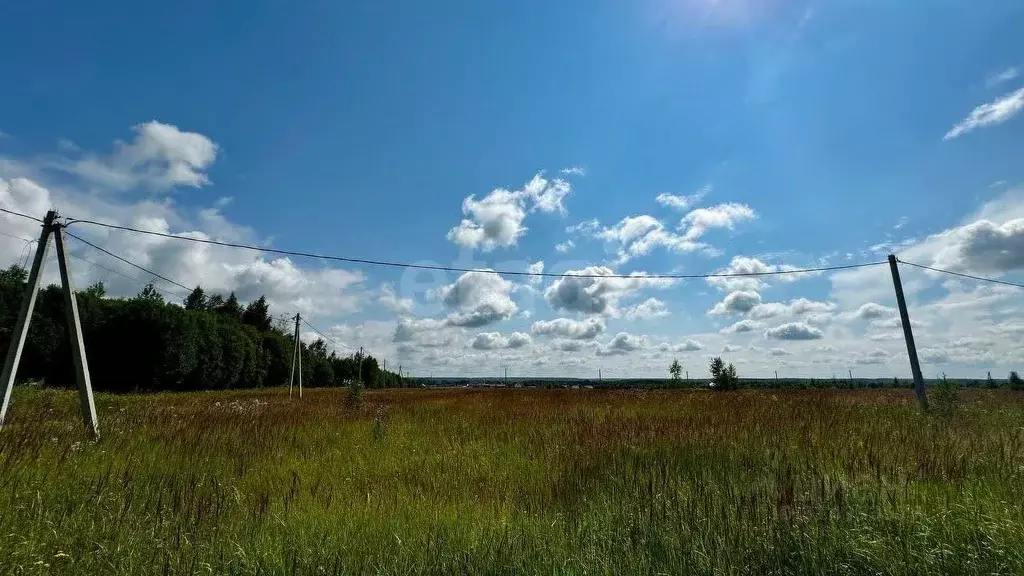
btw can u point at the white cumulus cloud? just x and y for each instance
(793, 331)
(646, 310)
(743, 272)
(159, 157)
(725, 215)
(567, 328)
(622, 343)
(682, 202)
(479, 298)
(593, 290)
(535, 268)
(496, 220)
(688, 345)
(738, 302)
(497, 341)
(637, 236)
(742, 326)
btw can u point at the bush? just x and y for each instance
(946, 397)
(1015, 382)
(354, 399)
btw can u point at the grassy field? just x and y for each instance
(514, 482)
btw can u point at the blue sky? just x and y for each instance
(812, 132)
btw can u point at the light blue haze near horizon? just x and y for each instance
(358, 128)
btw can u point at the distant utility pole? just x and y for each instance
(28, 302)
(360, 364)
(296, 358)
(908, 334)
(850, 371)
(599, 378)
(776, 376)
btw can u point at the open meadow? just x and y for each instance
(514, 482)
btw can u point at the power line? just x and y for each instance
(121, 274)
(962, 275)
(32, 218)
(29, 242)
(314, 328)
(129, 262)
(23, 258)
(16, 237)
(390, 264)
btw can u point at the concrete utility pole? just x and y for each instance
(908, 334)
(28, 303)
(360, 365)
(296, 358)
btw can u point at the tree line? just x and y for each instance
(145, 343)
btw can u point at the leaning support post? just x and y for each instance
(85, 398)
(51, 228)
(296, 358)
(295, 354)
(908, 334)
(28, 304)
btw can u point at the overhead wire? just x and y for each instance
(142, 268)
(23, 257)
(325, 336)
(123, 275)
(961, 274)
(392, 264)
(125, 260)
(129, 262)
(32, 218)
(23, 239)
(29, 242)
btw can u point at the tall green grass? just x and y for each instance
(513, 482)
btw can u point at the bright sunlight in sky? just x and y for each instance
(602, 137)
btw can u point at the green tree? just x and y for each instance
(230, 308)
(97, 290)
(1015, 382)
(196, 300)
(214, 302)
(723, 377)
(257, 314)
(150, 293)
(12, 289)
(676, 371)
(144, 343)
